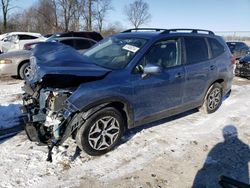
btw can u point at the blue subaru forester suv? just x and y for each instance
(126, 80)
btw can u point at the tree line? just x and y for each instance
(50, 16)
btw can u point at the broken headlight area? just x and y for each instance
(45, 115)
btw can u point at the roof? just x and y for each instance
(77, 38)
(140, 34)
(149, 33)
(236, 42)
(25, 33)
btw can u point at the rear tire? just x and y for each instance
(24, 71)
(101, 132)
(212, 100)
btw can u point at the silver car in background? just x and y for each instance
(16, 63)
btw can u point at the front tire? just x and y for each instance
(101, 132)
(213, 99)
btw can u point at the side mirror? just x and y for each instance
(151, 69)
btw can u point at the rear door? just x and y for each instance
(197, 69)
(156, 94)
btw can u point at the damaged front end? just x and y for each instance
(46, 114)
(49, 118)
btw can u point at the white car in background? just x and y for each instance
(16, 40)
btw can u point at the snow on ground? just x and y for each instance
(168, 153)
(10, 95)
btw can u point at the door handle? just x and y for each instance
(212, 67)
(179, 75)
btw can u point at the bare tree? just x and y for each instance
(88, 14)
(101, 9)
(46, 16)
(138, 13)
(5, 4)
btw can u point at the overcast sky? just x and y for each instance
(216, 15)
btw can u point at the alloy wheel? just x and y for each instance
(104, 133)
(214, 98)
(27, 72)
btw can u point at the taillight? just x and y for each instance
(233, 60)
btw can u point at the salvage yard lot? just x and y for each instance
(168, 153)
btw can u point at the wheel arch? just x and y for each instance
(119, 103)
(219, 81)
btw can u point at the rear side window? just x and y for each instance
(68, 42)
(196, 49)
(216, 48)
(26, 37)
(83, 44)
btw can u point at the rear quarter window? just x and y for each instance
(196, 49)
(26, 37)
(216, 47)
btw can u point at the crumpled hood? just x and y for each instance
(61, 63)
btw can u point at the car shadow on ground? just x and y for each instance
(129, 134)
(229, 158)
(11, 121)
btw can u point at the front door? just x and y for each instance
(154, 95)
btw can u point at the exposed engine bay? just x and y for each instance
(57, 71)
(46, 118)
(44, 109)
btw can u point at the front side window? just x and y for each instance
(114, 52)
(196, 49)
(164, 53)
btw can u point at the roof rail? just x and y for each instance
(191, 30)
(142, 29)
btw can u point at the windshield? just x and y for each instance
(113, 52)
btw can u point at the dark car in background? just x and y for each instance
(79, 43)
(238, 49)
(91, 35)
(127, 80)
(17, 63)
(243, 67)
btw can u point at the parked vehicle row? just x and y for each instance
(16, 63)
(243, 67)
(238, 49)
(16, 40)
(127, 80)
